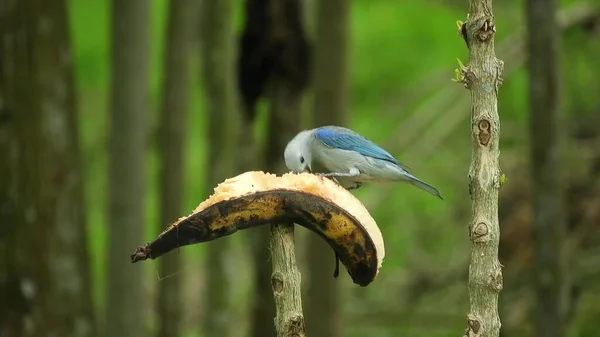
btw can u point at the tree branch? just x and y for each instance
(482, 76)
(285, 281)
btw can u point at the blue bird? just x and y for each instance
(348, 158)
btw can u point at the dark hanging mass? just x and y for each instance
(272, 44)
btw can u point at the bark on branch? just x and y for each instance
(483, 76)
(285, 281)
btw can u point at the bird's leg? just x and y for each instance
(335, 180)
(354, 172)
(337, 174)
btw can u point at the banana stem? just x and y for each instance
(285, 280)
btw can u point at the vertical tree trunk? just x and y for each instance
(263, 304)
(218, 41)
(253, 66)
(127, 165)
(482, 76)
(173, 121)
(44, 274)
(549, 221)
(330, 107)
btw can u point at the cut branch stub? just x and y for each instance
(463, 75)
(487, 29)
(277, 283)
(483, 28)
(295, 327)
(257, 198)
(496, 279)
(480, 232)
(484, 132)
(473, 327)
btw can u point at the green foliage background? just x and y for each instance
(394, 46)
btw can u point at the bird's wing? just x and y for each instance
(346, 139)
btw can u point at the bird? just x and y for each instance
(348, 158)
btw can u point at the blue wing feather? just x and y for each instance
(346, 139)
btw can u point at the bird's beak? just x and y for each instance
(307, 169)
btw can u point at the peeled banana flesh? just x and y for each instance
(256, 198)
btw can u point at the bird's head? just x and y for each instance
(298, 157)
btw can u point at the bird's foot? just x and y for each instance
(333, 176)
(337, 174)
(356, 186)
(335, 180)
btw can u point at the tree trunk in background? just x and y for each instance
(483, 77)
(218, 74)
(273, 55)
(251, 82)
(549, 198)
(173, 121)
(330, 107)
(263, 304)
(44, 274)
(127, 166)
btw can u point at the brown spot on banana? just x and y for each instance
(256, 198)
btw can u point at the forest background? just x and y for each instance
(133, 115)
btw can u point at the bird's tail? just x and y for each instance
(409, 178)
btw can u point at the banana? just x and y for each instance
(256, 198)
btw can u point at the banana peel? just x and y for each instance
(256, 198)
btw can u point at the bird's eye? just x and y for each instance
(301, 160)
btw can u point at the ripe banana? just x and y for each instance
(256, 198)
